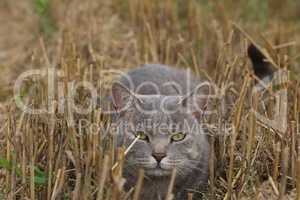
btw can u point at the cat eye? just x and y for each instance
(142, 135)
(178, 137)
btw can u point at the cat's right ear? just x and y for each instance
(121, 96)
(196, 102)
(261, 67)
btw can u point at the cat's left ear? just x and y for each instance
(122, 97)
(196, 102)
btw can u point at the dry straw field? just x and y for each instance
(48, 156)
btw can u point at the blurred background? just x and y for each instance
(126, 33)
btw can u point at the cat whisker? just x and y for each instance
(175, 161)
(180, 171)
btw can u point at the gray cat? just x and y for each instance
(162, 106)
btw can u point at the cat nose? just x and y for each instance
(158, 156)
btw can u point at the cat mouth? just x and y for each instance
(158, 172)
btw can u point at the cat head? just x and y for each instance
(168, 131)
